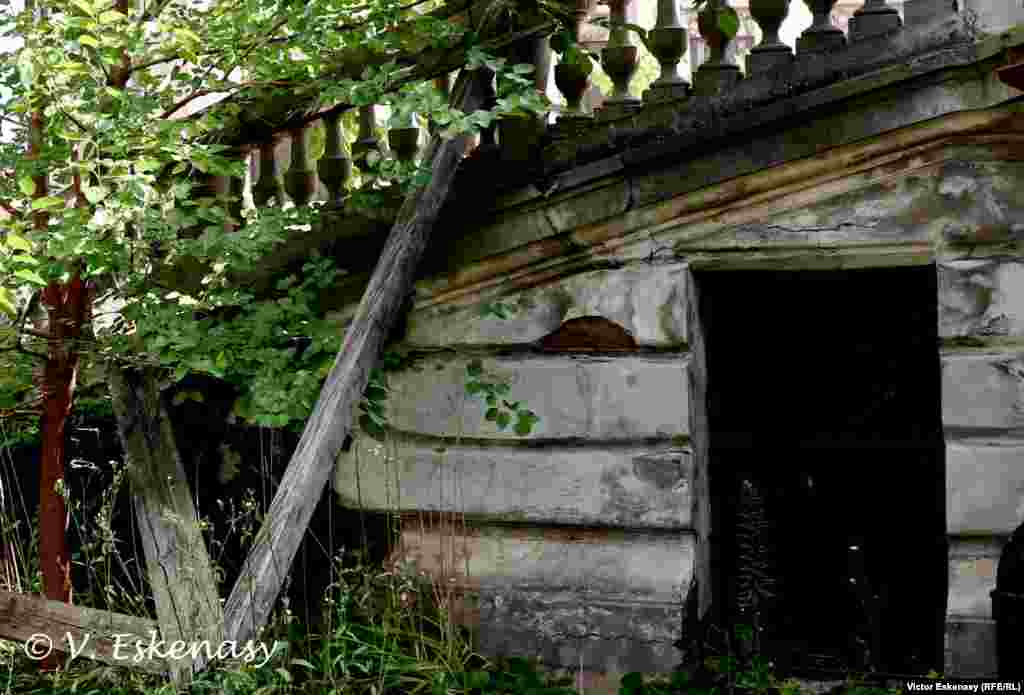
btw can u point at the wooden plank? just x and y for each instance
(259, 584)
(112, 638)
(180, 574)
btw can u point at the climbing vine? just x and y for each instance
(494, 390)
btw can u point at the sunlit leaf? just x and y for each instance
(18, 242)
(46, 202)
(29, 275)
(7, 303)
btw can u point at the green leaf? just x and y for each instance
(561, 41)
(18, 242)
(503, 419)
(26, 69)
(27, 185)
(89, 40)
(46, 202)
(85, 6)
(477, 679)
(728, 21)
(7, 303)
(475, 368)
(524, 426)
(95, 194)
(492, 414)
(474, 387)
(29, 275)
(111, 16)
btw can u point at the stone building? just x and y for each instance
(795, 297)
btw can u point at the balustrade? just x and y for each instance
(667, 42)
(572, 81)
(366, 138)
(334, 167)
(719, 73)
(619, 59)
(443, 85)
(269, 185)
(771, 53)
(822, 35)
(300, 180)
(404, 139)
(235, 189)
(876, 17)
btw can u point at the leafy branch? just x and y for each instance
(500, 411)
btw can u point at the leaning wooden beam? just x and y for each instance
(180, 574)
(121, 640)
(257, 588)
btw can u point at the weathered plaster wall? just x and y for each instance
(579, 545)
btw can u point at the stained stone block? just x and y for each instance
(970, 648)
(981, 297)
(972, 575)
(640, 487)
(609, 598)
(579, 397)
(563, 562)
(581, 632)
(984, 487)
(983, 390)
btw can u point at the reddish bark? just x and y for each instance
(67, 309)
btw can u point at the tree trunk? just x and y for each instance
(66, 308)
(180, 575)
(270, 560)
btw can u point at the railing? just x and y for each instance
(717, 76)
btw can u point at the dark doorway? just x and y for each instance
(826, 464)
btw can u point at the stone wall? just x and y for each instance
(578, 545)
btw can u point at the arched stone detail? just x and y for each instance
(589, 334)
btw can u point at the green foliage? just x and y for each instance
(500, 410)
(498, 310)
(564, 43)
(635, 684)
(143, 217)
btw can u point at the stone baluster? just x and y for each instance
(235, 190)
(876, 17)
(269, 184)
(822, 35)
(718, 74)
(487, 134)
(619, 59)
(334, 167)
(300, 180)
(519, 136)
(366, 138)
(570, 81)
(405, 138)
(771, 54)
(443, 85)
(668, 42)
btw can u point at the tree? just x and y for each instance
(116, 117)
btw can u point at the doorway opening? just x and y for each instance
(825, 463)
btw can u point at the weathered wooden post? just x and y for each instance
(184, 589)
